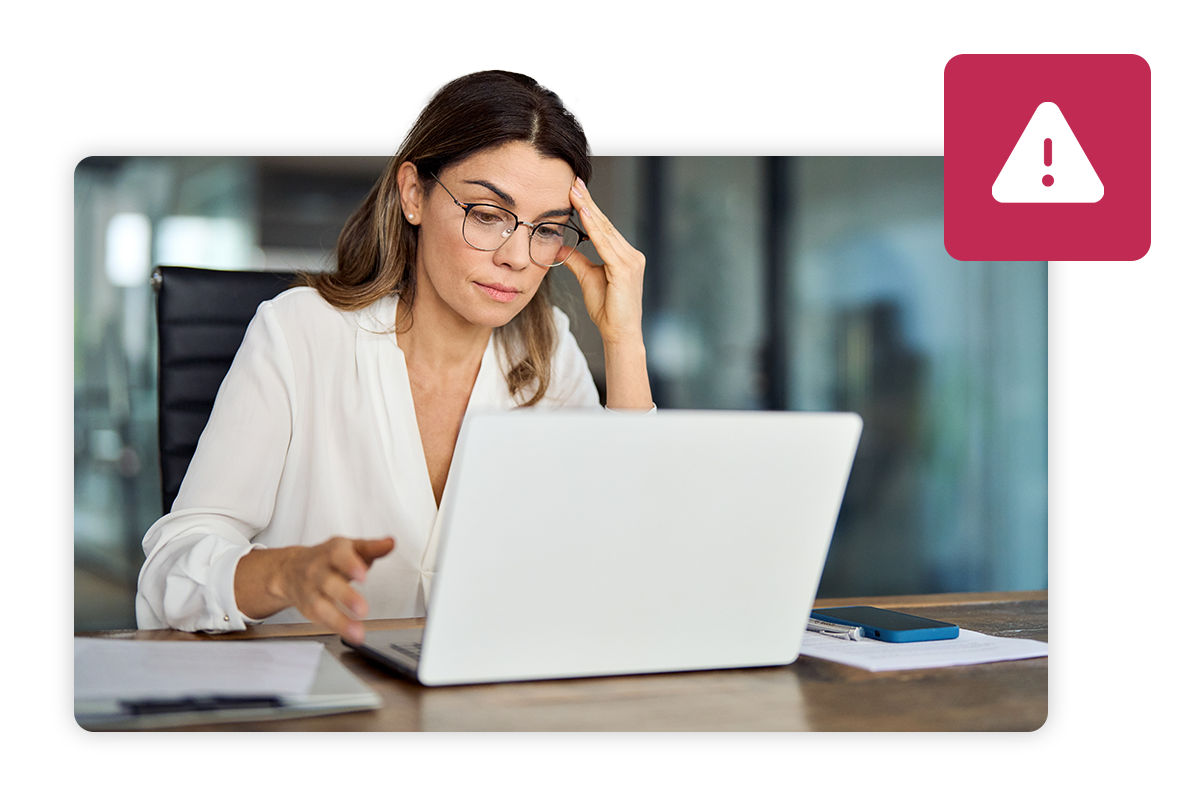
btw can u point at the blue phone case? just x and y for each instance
(883, 634)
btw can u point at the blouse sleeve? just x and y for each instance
(228, 493)
(571, 382)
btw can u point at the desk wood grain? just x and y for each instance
(807, 695)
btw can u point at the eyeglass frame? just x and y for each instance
(466, 208)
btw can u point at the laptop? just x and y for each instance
(589, 543)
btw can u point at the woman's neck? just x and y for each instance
(437, 339)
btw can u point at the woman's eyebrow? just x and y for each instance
(504, 196)
(558, 212)
(507, 198)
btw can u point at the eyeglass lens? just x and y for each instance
(489, 227)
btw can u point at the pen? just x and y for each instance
(204, 703)
(851, 632)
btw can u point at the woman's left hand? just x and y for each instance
(612, 290)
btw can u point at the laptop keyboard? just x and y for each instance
(412, 650)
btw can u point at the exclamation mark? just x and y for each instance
(1047, 157)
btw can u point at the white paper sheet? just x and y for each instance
(123, 669)
(971, 647)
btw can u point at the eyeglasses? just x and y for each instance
(487, 227)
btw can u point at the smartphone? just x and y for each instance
(888, 626)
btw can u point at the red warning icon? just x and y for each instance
(1047, 157)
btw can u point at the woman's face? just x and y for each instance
(483, 288)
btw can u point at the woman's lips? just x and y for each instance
(498, 291)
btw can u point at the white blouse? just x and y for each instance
(313, 435)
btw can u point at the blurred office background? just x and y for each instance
(772, 283)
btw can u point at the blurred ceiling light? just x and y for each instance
(127, 250)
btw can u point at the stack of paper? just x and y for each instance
(127, 683)
(970, 647)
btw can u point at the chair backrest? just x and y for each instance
(202, 318)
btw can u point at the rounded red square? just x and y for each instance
(1047, 157)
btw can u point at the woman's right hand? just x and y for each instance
(314, 580)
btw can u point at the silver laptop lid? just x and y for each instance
(593, 543)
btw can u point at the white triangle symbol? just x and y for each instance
(1047, 165)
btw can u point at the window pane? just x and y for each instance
(946, 363)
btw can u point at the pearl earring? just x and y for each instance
(410, 216)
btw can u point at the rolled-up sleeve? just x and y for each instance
(228, 494)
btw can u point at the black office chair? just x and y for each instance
(202, 317)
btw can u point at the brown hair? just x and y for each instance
(376, 250)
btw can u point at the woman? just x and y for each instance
(331, 438)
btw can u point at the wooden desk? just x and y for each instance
(807, 695)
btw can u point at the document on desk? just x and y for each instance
(141, 684)
(971, 647)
